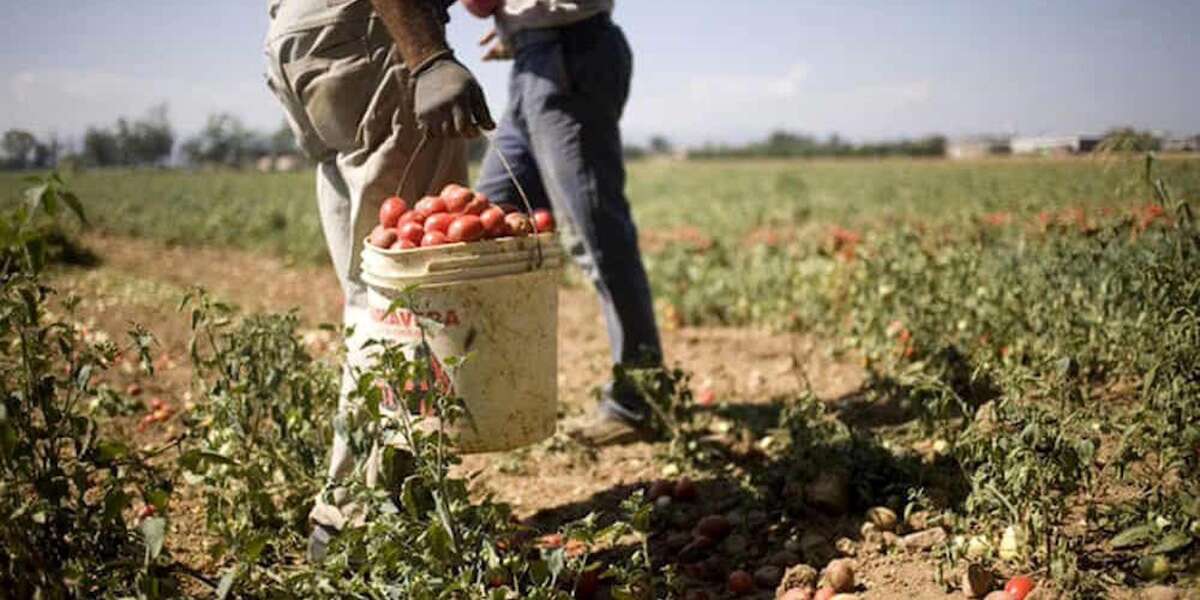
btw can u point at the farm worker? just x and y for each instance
(567, 90)
(360, 80)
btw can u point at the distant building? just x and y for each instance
(977, 147)
(283, 162)
(1055, 145)
(1182, 144)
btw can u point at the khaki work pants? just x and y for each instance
(347, 97)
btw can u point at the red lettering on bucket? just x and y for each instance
(404, 318)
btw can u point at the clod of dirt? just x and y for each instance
(815, 549)
(796, 577)
(735, 545)
(891, 540)
(846, 547)
(998, 595)
(768, 577)
(839, 575)
(740, 583)
(783, 559)
(924, 540)
(1160, 592)
(829, 492)
(678, 540)
(882, 517)
(697, 549)
(801, 593)
(659, 489)
(977, 581)
(918, 520)
(844, 597)
(714, 527)
(685, 490)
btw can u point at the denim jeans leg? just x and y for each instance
(571, 104)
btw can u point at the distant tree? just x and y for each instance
(223, 141)
(100, 148)
(19, 147)
(661, 145)
(633, 152)
(147, 141)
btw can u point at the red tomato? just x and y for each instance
(430, 205)
(403, 244)
(392, 209)
(456, 197)
(481, 8)
(411, 216)
(412, 232)
(1018, 587)
(439, 222)
(493, 222)
(544, 220)
(466, 228)
(741, 582)
(433, 238)
(477, 205)
(518, 224)
(382, 237)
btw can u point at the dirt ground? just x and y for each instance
(142, 281)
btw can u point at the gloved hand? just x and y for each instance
(447, 100)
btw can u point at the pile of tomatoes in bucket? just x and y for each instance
(458, 214)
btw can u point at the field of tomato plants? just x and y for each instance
(887, 379)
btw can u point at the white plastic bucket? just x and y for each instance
(496, 303)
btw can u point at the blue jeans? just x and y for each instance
(561, 135)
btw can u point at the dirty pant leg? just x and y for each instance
(561, 135)
(349, 195)
(347, 98)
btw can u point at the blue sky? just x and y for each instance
(706, 70)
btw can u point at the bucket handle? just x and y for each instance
(537, 238)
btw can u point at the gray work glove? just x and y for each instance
(448, 101)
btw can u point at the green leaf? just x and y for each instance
(154, 531)
(108, 451)
(1134, 536)
(1172, 542)
(72, 202)
(253, 550)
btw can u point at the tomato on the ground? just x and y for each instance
(1019, 587)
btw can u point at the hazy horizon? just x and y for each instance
(705, 71)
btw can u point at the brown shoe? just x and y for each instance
(597, 429)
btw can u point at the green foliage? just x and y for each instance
(257, 449)
(260, 434)
(69, 490)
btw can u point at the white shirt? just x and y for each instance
(517, 15)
